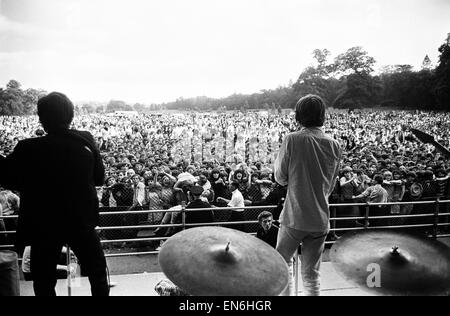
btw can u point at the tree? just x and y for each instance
(11, 99)
(117, 105)
(363, 90)
(30, 99)
(139, 107)
(319, 80)
(355, 60)
(87, 108)
(426, 64)
(391, 69)
(442, 77)
(323, 69)
(13, 84)
(100, 109)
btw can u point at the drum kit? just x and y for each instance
(395, 263)
(218, 261)
(215, 261)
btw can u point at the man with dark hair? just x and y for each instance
(197, 217)
(56, 176)
(376, 194)
(237, 202)
(267, 231)
(308, 163)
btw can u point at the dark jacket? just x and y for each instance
(56, 176)
(276, 197)
(270, 236)
(195, 217)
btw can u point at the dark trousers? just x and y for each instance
(378, 210)
(85, 243)
(237, 217)
(3, 236)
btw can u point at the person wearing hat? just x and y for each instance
(196, 202)
(70, 214)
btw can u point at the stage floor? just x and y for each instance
(143, 284)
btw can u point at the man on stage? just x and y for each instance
(308, 163)
(56, 177)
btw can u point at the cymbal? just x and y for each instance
(217, 261)
(393, 262)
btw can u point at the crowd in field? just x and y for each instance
(151, 159)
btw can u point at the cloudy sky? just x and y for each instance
(155, 51)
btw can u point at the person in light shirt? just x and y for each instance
(308, 163)
(237, 201)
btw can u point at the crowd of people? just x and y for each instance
(152, 159)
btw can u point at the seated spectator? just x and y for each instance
(267, 232)
(196, 201)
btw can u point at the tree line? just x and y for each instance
(348, 81)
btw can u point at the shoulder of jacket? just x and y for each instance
(30, 142)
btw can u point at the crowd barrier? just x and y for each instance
(132, 226)
(435, 223)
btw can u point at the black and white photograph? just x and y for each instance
(225, 153)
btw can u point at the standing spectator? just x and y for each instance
(348, 187)
(397, 196)
(108, 199)
(138, 191)
(10, 202)
(167, 191)
(139, 199)
(154, 202)
(240, 177)
(254, 191)
(217, 184)
(375, 194)
(308, 163)
(2, 228)
(237, 201)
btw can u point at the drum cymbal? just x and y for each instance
(223, 262)
(393, 262)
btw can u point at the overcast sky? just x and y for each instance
(156, 51)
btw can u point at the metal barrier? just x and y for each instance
(435, 224)
(432, 228)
